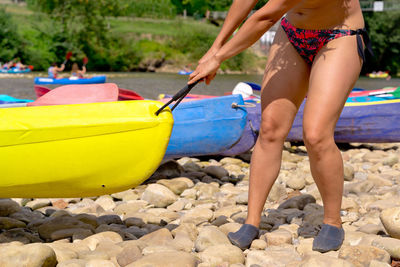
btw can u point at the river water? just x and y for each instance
(150, 85)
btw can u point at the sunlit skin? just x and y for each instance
(287, 80)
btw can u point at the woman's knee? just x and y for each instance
(273, 130)
(317, 138)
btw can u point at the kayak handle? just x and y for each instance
(178, 97)
(247, 105)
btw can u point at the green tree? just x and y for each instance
(10, 42)
(384, 31)
(80, 26)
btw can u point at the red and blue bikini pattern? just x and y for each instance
(309, 42)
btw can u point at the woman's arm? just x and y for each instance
(59, 68)
(239, 10)
(248, 34)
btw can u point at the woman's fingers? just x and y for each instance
(195, 78)
(210, 77)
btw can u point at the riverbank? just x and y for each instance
(133, 44)
(182, 214)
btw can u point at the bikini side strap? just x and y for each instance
(361, 51)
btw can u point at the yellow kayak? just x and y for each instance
(80, 150)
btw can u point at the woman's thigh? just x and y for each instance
(284, 85)
(335, 70)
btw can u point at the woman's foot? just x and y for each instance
(329, 238)
(244, 236)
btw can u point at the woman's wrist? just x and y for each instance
(218, 57)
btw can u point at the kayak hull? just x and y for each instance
(361, 122)
(14, 71)
(83, 150)
(45, 80)
(250, 133)
(206, 127)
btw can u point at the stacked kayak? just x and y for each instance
(73, 80)
(15, 71)
(207, 126)
(84, 149)
(362, 120)
(123, 94)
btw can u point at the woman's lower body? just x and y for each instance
(288, 77)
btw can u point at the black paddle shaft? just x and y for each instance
(178, 97)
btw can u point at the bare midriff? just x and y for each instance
(326, 14)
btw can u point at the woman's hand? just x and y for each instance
(205, 70)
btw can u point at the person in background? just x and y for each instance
(76, 72)
(318, 50)
(19, 65)
(54, 70)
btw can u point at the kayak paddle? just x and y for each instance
(178, 97)
(85, 61)
(67, 57)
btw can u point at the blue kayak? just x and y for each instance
(6, 99)
(95, 79)
(14, 71)
(251, 130)
(183, 72)
(207, 126)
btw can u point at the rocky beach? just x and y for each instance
(182, 214)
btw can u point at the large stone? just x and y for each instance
(126, 209)
(166, 259)
(183, 242)
(216, 171)
(161, 237)
(9, 223)
(169, 169)
(296, 182)
(318, 260)
(31, 255)
(279, 237)
(72, 263)
(219, 254)
(272, 257)
(158, 195)
(348, 172)
(106, 202)
(391, 245)
(298, 202)
(359, 188)
(177, 186)
(129, 254)
(390, 219)
(63, 222)
(362, 255)
(19, 234)
(93, 241)
(99, 263)
(198, 215)
(277, 192)
(26, 215)
(8, 206)
(210, 236)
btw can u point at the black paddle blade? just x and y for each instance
(178, 96)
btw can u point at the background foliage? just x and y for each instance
(126, 35)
